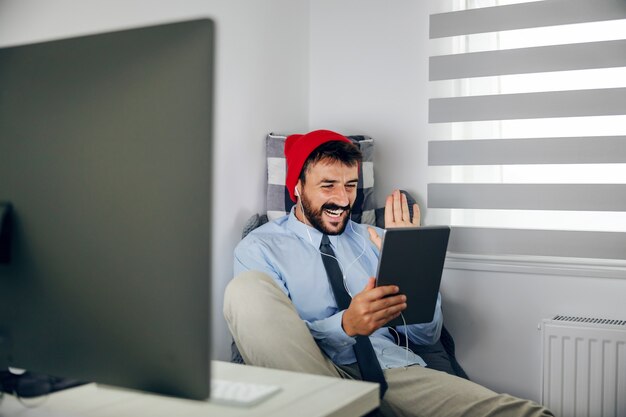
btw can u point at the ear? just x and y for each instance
(298, 188)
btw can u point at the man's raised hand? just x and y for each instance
(397, 212)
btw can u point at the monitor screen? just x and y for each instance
(105, 159)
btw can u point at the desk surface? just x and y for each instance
(302, 395)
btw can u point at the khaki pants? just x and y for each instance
(269, 333)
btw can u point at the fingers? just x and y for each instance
(397, 207)
(394, 303)
(389, 220)
(372, 308)
(406, 214)
(417, 215)
(384, 316)
(385, 310)
(397, 213)
(374, 294)
(376, 240)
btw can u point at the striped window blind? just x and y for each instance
(527, 154)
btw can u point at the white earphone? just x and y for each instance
(296, 192)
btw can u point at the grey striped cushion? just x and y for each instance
(278, 201)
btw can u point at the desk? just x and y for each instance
(302, 395)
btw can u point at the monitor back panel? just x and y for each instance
(105, 156)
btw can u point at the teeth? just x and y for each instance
(334, 213)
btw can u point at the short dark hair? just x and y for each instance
(334, 151)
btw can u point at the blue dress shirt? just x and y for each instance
(288, 251)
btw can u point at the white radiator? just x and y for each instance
(584, 367)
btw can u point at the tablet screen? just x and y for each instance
(413, 258)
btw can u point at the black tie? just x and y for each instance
(363, 350)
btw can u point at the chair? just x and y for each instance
(364, 211)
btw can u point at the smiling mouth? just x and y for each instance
(336, 213)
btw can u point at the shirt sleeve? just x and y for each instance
(425, 333)
(330, 335)
(250, 256)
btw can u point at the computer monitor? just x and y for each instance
(105, 159)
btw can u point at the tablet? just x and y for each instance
(412, 258)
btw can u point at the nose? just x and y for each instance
(341, 196)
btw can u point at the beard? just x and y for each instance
(315, 216)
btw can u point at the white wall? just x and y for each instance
(369, 75)
(262, 67)
(369, 66)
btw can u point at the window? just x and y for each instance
(527, 152)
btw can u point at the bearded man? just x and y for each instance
(304, 297)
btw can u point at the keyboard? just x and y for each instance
(242, 394)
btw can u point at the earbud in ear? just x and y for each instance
(296, 192)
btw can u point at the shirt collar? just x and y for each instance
(315, 239)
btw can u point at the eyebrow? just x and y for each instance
(329, 181)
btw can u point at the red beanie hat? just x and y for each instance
(297, 150)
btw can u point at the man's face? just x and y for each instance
(328, 195)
